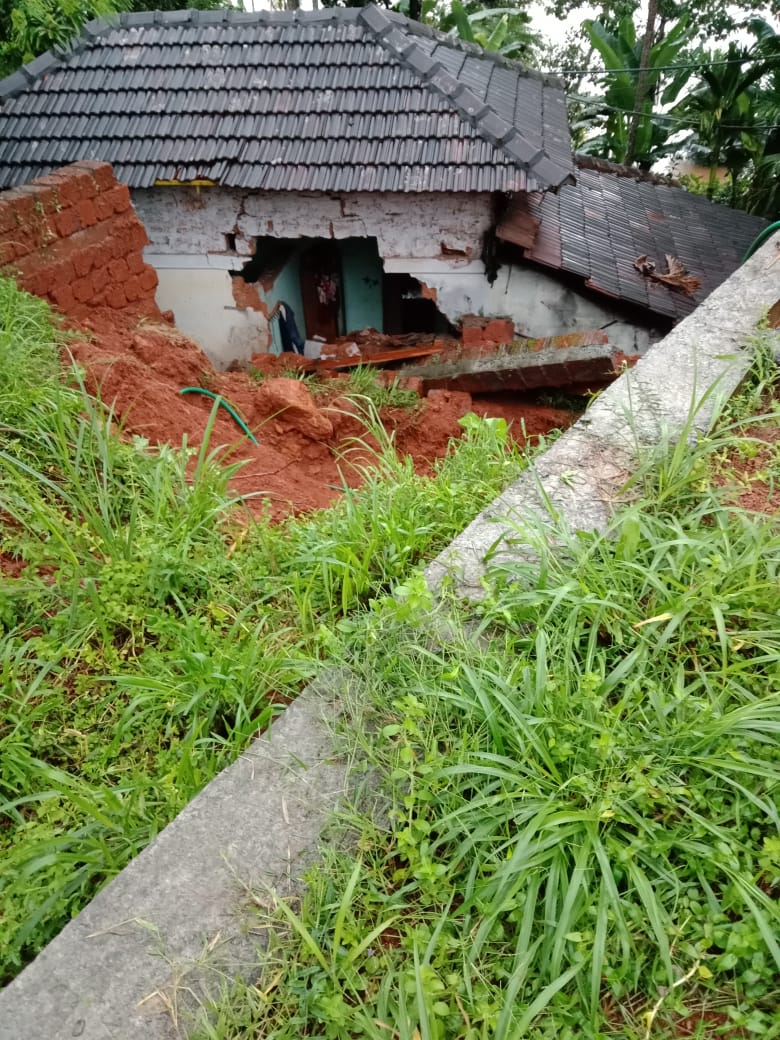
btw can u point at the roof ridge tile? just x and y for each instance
(484, 142)
(470, 107)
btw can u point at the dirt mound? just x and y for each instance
(307, 448)
(292, 402)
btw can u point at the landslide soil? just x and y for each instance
(306, 448)
(750, 473)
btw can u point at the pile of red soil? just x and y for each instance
(306, 444)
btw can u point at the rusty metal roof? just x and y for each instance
(598, 227)
(331, 100)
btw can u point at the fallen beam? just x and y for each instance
(524, 367)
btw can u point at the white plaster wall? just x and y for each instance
(202, 301)
(187, 228)
(191, 220)
(539, 303)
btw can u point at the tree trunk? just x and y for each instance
(415, 10)
(641, 84)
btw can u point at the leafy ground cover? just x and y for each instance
(571, 827)
(149, 625)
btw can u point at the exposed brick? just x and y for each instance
(137, 236)
(66, 187)
(24, 243)
(87, 214)
(7, 253)
(103, 207)
(118, 269)
(115, 297)
(63, 297)
(103, 254)
(7, 215)
(133, 289)
(149, 279)
(100, 278)
(120, 198)
(83, 289)
(23, 205)
(117, 241)
(499, 330)
(135, 263)
(67, 222)
(63, 273)
(101, 172)
(36, 282)
(83, 262)
(44, 195)
(472, 335)
(80, 181)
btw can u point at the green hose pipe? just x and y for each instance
(765, 234)
(223, 404)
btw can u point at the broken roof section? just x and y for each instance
(614, 216)
(332, 100)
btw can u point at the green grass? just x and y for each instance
(361, 384)
(571, 828)
(153, 618)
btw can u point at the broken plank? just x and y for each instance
(385, 358)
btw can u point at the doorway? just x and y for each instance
(322, 290)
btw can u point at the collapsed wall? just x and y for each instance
(201, 234)
(74, 239)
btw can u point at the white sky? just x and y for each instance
(547, 25)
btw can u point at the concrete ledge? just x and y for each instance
(173, 922)
(170, 927)
(679, 380)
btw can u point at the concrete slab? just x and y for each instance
(522, 368)
(678, 382)
(170, 928)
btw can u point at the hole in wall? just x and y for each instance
(336, 287)
(410, 306)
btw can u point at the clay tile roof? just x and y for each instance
(598, 227)
(331, 100)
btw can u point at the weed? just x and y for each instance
(579, 830)
(138, 651)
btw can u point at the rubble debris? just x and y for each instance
(292, 402)
(389, 358)
(576, 362)
(676, 277)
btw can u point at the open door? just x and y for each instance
(322, 291)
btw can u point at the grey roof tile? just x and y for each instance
(602, 223)
(355, 96)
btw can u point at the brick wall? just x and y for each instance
(74, 239)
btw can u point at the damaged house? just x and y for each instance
(363, 169)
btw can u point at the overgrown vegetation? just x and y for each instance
(145, 618)
(576, 832)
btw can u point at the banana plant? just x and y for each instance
(503, 30)
(621, 53)
(729, 106)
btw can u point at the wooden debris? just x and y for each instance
(676, 277)
(386, 358)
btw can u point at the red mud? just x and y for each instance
(139, 367)
(751, 475)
